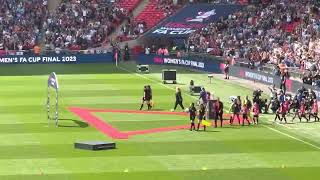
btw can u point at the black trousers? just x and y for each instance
(178, 103)
(219, 116)
(283, 87)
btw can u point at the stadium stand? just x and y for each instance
(128, 5)
(21, 23)
(82, 24)
(278, 31)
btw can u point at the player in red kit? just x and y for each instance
(193, 114)
(314, 111)
(287, 105)
(245, 111)
(302, 111)
(256, 112)
(283, 112)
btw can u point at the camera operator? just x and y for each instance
(256, 95)
(256, 98)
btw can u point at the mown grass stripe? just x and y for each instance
(221, 174)
(28, 138)
(160, 163)
(82, 100)
(151, 149)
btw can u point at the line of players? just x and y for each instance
(304, 105)
(209, 108)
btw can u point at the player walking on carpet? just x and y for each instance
(219, 112)
(193, 113)
(201, 116)
(283, 111)
(235, 109)
(301, 113)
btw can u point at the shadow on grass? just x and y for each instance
(79, 124)
(207, 131)
(156, 109)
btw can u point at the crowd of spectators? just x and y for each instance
(279, 31)
(80, 24)
(21, 23)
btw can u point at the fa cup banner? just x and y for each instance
(57, 59)
(192, 18)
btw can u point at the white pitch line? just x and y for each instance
(292, 137)
(270, 128)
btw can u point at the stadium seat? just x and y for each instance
(128, 5)
(151, 15)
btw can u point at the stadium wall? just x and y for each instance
(269, 79)
(213, 64)
(58, 59)
(216, 65)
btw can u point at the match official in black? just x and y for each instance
(179, 99)
(219, 112)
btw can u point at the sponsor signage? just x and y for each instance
(59, 59)
(192, 18)
(268, 79)
(209, 65)
(256, 76)
(183, 62)
(215, 65)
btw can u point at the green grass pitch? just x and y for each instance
(32, 150)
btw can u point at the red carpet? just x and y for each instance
(109, 130)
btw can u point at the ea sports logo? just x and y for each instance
(158, 60)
